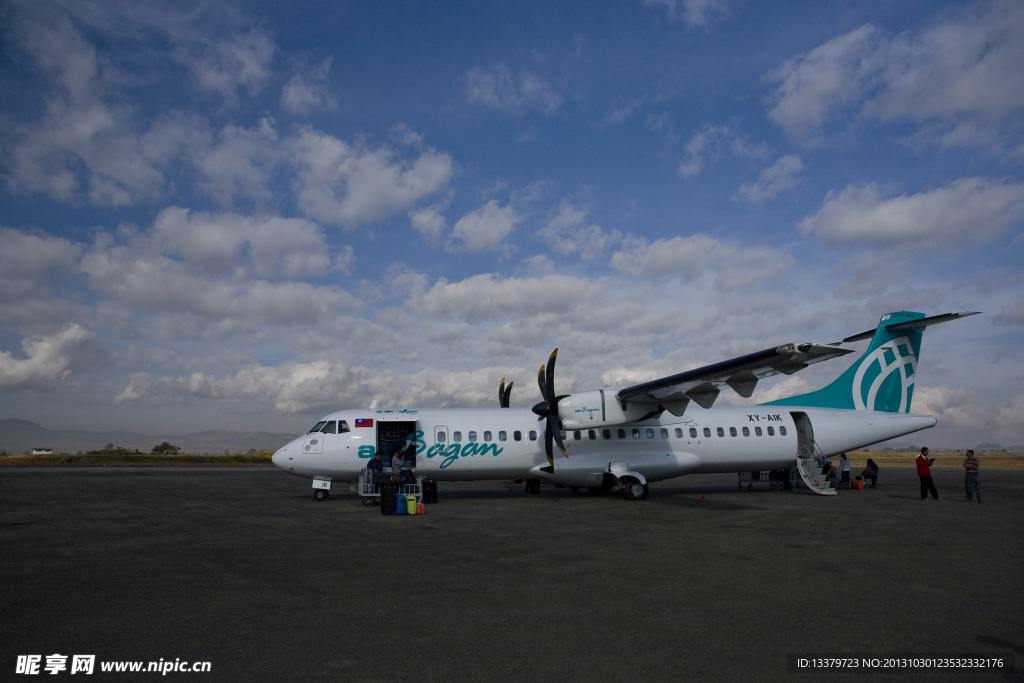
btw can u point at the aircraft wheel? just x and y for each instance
(320, 494)
(634, 490)
(533, 485)
(369, 501)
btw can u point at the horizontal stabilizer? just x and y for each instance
(898, 326)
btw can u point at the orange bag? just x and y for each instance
(421, 509)
(857, 484)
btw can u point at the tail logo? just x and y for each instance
(900, 364)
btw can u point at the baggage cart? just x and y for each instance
(369, 486)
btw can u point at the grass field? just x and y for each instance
(858, 459)
(261, 458)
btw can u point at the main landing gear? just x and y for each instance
(321, 494)
(533, 485)
(632, 489)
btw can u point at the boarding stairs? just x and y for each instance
(810, 471)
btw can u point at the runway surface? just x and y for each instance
(241, 568)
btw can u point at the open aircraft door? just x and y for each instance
(393, 429)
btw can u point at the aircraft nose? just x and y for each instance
(279, 459)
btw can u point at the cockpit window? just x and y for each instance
(342, 426)
(330, 428)
(318, 427)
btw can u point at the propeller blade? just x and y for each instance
(547, 445)
(553, 428)
(508, 393)
(543, 385)
(501, 394)
(551, 377)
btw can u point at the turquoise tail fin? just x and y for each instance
(883, 378)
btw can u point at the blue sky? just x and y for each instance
(243, 216)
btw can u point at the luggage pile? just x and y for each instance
(393, 503)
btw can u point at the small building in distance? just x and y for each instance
(42, 451)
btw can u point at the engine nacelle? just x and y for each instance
(590, 409)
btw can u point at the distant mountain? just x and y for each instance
(18, 436)
(988, 447)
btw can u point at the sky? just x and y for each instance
(244, 216)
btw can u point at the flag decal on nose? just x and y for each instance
(360, 422)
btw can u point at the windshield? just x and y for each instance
(318, 427)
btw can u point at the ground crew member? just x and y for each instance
(971, 464)
(924, 472)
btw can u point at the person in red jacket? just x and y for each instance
(924, 472)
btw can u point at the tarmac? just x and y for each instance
(241, 568)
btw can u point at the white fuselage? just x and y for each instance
(659, 448)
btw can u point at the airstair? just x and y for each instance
(810, 471)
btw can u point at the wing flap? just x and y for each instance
(703, 385)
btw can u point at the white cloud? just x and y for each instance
(713, 142)
(969, 209)
(309, 90)
(499, 89)
(960, 77)
(29, 264)
(1011, 315)
(782, 175)
(956, 408)
(690, 258)
(566, 233)
(487, 296)
(691, 12)
(486, 227)
(348, 184)
(47, 360)
(83, 143)
(224, 66)
(239, 162)
(430, 223)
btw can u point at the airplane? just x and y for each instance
(657, 430)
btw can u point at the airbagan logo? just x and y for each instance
(899, 364)
(450, 452)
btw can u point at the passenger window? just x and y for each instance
(636, 433)
(472, 437)
(782, 431)
(721, 432)
(518, 436)
(592, 434)
(622, 433)
(457, 437)
(330, 428)
(771, 431)
(318, 426)
(746, 432)
(502, 436)
(664, 433)
(650, 433)
(707, 432)
(606, 434)
(757, 431)
(693, 433)
(679, 433)
(441, 437)
(732, 431)
(577, 435)
(487, 437)
(533, 435)
(343, 427)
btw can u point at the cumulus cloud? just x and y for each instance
(85, 142)
(238, 163)
(309, 90)
(690, 258)
(47, 359)
(29, 264)
(714, 142)
(782, 175)
(1011, 315)
(692, 12)
(498, 88)
(429, 222)
(223, 67)
(348, 184)
(956, 408)
(567, 234)
(969, 209)
(960, 77)
(485, 227)
(487, 296)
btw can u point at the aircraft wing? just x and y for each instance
(703, 385)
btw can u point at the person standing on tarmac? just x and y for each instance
(971, 481)
(924, 473)
(844, 470)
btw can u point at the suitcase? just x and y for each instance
(421, 509)
(387, 500)
(410, 504)
(400, 506)
(430, 492)
(857, 484)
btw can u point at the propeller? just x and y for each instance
(548, 408)
(504, 393)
